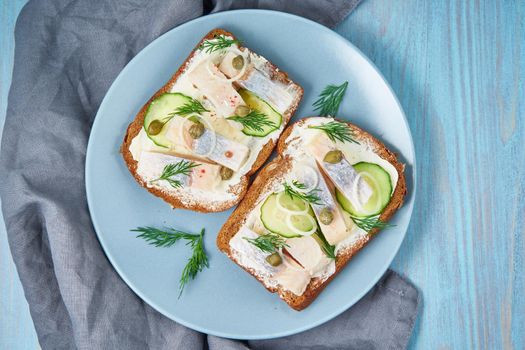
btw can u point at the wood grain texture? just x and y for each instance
(458, 69)
(16, 328)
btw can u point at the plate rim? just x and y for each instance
(151, 303)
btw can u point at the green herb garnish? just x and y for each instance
(268, 243)
(254, 120)
(168, 237)
(196, 263)
(330, 99)
(327, 247)
(182, 167)
(310, 197)
(162, 237)
(336, 131)
(369, 223)
(218, 43)
(190, 107)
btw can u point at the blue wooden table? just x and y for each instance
(458, 68)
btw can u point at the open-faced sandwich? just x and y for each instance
(331, 188)
(196, 141)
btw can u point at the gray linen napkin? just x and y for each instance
(67, 54)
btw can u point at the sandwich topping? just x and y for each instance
(220, 112)
(332, 196)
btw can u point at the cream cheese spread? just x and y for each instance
(309, 261)
(207, 78)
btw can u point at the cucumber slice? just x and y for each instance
(274, 219)
(257, 104)
(159, 109)
(379, 181)
(291, 204)
(303, 223)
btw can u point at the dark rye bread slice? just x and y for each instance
(239, 189)
(275, 171)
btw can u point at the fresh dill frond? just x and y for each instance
(369, 223)
(336, 131)
(190, 107)
(310, 197)
(169, 236)
(268, 243)
(328, 249)
(162, 237)
(182, 167)
(254, 120)
(196, 263)
(330, 99)
(218, 43)
(299, 185)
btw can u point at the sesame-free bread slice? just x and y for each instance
(182, 199)
(274, 172)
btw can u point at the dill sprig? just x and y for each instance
(369, 223)
(196, 263)
(336, 131)
(254, 120)
(310, 197)
(330, 99)
(168, 237)
(329, 250)
(218, 43)
(327, 247)
(162, 237)
(268, 243)
(192, 106)
(182, 167)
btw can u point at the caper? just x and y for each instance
(238, 62)
(242, 111)
(274, 259)
(226, 173)
(155, 127)
(326, 216)
(333, 157)
(196, 130)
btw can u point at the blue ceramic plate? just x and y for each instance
(224, 300)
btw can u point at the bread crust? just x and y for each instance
(278, 167)
(240, 189)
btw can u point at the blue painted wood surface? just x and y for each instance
(16, 328)
(458, 68)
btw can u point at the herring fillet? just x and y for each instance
(336, 231)
(226, 152)
(152, 164)
(259, 83)
(151, 167)
(221, 93)
(343, 175)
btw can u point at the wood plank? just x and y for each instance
(457, 68)
(16, 327)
